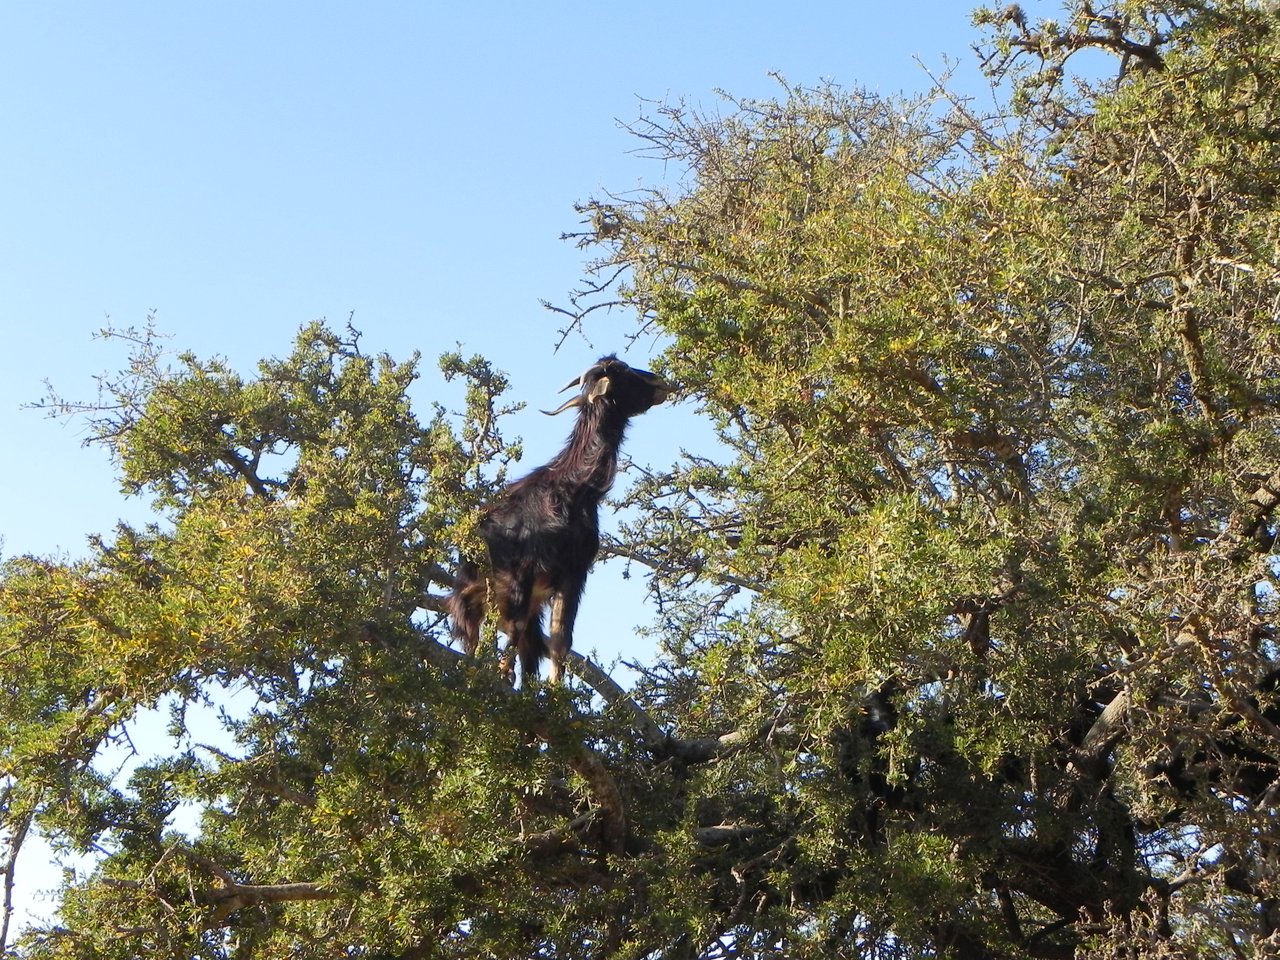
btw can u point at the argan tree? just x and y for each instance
(966, 619)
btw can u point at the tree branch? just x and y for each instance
(1260, 505)
(658, 741)
(723, 834)
(655, 738)
(556, 840)
(233, 895)
(228, 900)
(16, 839)
(1102, 736)
(238, 464)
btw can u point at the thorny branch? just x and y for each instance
(1089, 30)
(18, 831)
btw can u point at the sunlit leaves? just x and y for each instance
(303, 519)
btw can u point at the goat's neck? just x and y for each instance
(590, 460)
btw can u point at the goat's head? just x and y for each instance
(626, 389)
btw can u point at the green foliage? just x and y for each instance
(967, 620)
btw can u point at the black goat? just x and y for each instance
(543, 531)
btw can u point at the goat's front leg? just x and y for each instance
(564, 610)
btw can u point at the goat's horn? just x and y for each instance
(577, 381)
(575, 401)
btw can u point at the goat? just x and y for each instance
(543, 531)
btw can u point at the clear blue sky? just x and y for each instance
(243, 168)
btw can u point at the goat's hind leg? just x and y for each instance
(522, 623)
(532, 647)
(466, 606)
(564, 611)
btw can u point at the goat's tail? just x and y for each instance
(466, 605)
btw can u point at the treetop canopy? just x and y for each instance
(967, 622)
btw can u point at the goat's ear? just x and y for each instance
(599, 389)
